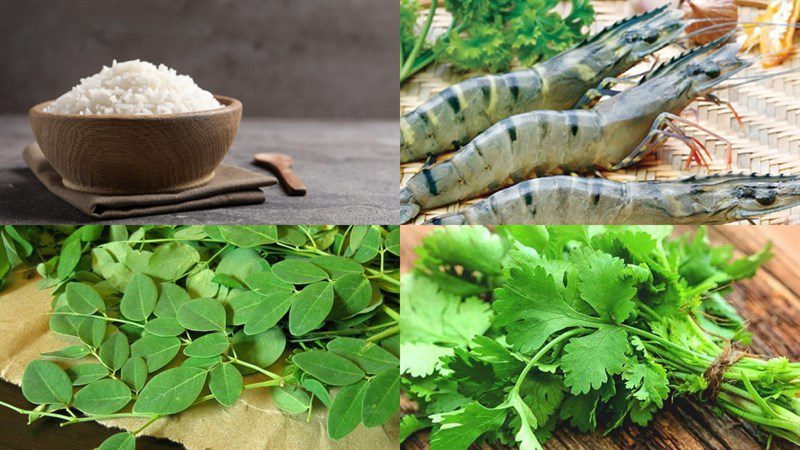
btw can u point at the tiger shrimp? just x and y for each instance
(712, 200)
(615, 133)
(459, 113)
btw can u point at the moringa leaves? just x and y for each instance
(381, 398)
(328, 367)
(44, 382)
(171, 391)
(161, 318)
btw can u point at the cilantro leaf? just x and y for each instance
(605, 286)
(588, 360)
(649, 382)
(458, 429)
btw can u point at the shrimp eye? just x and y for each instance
(650, 36)
(712, 71)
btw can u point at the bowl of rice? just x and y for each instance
(136, 128)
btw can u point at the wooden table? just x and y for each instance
(348, 166)
(770, 302)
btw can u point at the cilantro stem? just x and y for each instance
(543, 351)
(423, 35)
(391, 313)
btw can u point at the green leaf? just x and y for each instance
(369, 357)
(134, 373)
(203, 363)
(297, 271)
(239, 263)
(337, 266)
(202, 314)
(171, 391)
(266, 284)
(410, 424)
(328, 367)
(393, 242)
(369, 247)
(318, 389)
(201, 284)
(261, 349)
(291, 399)
(63, 323)
(352, 294)
(345, 412)
(171, 260)
(71, 352)
(171, 298)
(227, 281)
(103, 397)
(92, 330)
(164, 326)
(310, 308)
(157, 351)
(139, 299)
(267, 313)
(605, 287)
(226, 384)
(459, 429)
(119, 441)
(114, 352)
(83, 299)
(532, 307)
(44, 382)
(206, 346)
(86, 373)
(648, 382)
(69, 258)
(247, 236)
(588, 360)
(381, 397)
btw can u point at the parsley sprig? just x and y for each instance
(588, 327)
(488, 35)
(164, 318)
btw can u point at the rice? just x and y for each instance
(134, 87)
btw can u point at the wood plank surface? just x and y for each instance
(770, 302)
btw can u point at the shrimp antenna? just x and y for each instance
(739, 25)
(740, 81)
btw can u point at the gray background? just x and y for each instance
(282, 58)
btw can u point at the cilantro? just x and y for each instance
(592, 327)
(488, 35)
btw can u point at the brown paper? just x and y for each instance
(231, 186)
(254, 422)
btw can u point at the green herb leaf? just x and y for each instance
(318, 389)
(71, 352)
(157, 351)
(310, 308)
(247, 236)
(119, 441)
(337, 266)
(381, 397)
(114, 352)
(44, 382)
(460, 428)
(68, 260)
(296, 271)
(328, 367)
(206, 346)
(589, 359)
(83, 299)
(369, 357)
(291, 399)
(164, 326)
(103, 397)
(134, 373)
(261, 349)
(226, 384)
(139, 299)
(171, 298)
(202, 314)
(171, 391)
(345, 413)
(352, 294)
(86, 373)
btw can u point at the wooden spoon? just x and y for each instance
(280, 164)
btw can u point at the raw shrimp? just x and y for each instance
(457, 114)
(714, 199)
(616, 133)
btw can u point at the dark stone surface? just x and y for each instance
(282, 58)
(350, 169)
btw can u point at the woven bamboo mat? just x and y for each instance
(768, 141)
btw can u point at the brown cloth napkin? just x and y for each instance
(231, 186)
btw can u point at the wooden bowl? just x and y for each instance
(118, 154)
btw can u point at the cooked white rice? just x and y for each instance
(134, 87)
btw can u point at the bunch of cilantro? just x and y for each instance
(159, 319)
(488, 34)
(508, 335)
